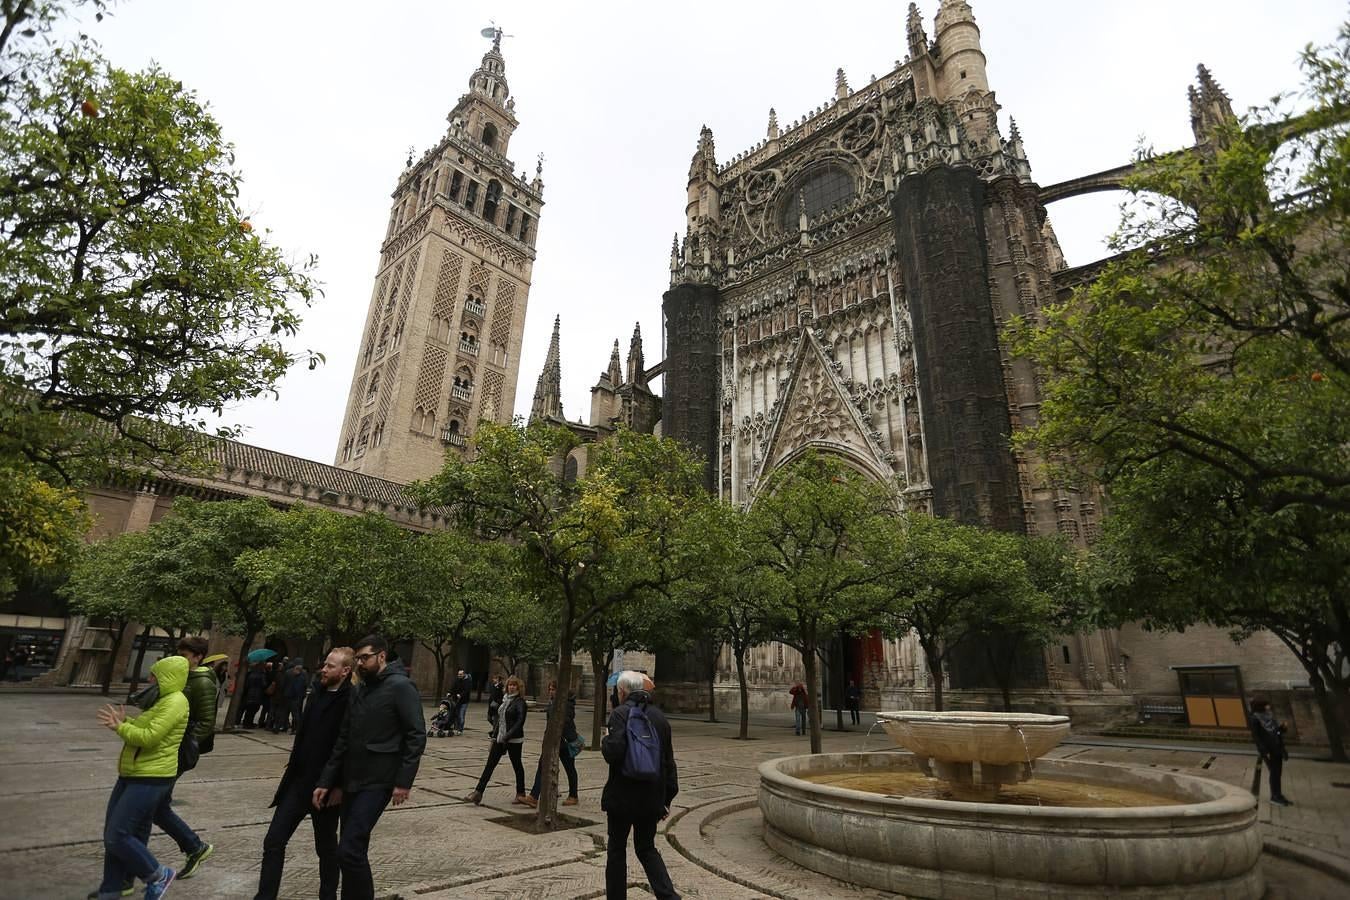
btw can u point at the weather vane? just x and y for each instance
(495, 33)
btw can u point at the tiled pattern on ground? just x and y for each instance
(57, 765)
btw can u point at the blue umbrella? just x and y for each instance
(260, 655)
(612, 680)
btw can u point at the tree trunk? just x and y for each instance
(140, 659)
(1002, 674)
(745, 693)
(934, 660)
(118, 636)
(240, 674)
(1331, 720)
(812, 691)
(714, 648)
(439, 654)
(547, 816)
(599, 673)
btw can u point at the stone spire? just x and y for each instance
(548, 392)
(636, 368)
(773, 124)
(918, 41)
(1210, 106)
(841, 90)
(615, 372)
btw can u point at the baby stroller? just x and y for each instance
(443, 723)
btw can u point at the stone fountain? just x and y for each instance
(975, 753)
(973, 811)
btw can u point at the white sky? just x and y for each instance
(323, 99)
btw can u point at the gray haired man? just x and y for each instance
(637, 803)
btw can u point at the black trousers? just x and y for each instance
(644, 844)
(295, 804)
(494, 756)
(569, 766)
(1275, 765)
(360, 813)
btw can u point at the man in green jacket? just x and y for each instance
(201, 696)
(146, 770)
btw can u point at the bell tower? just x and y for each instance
(440, 350)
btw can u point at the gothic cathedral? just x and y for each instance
(441, 344)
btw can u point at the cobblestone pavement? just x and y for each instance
(57, 765)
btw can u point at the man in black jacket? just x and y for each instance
(316, 731)
(462, 688)
(634, 804)
(375, 758)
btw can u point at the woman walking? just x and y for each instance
(508, 734)
(798, 694)
(1269, 737)
(146, 770)
(566, 751)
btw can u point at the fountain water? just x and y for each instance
(984, 826)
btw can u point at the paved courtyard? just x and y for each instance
(57, 765)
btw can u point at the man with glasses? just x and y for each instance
(316, 732)
(375, 759)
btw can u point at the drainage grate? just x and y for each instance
(82, 749)
(1341, 784)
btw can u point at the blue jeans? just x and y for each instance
(131, 808)
(799, 724)
(460, 710)
(170, 823)
(360, 812)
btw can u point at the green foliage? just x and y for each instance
(1204, 379)
(40, 525)
(107, 581)
(331, 575)
(451, 580)
(805, 535)
(727, 598)
(946, 581)
(586, 546)
(133, 292)
(518, 627)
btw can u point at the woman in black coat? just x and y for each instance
(565, 753)
(508, 734)
(1269, 737)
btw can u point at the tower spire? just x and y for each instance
(636, 368)
(1210, 106)
(918, 41)
(548, 392)
(615, 373)
(841, 90)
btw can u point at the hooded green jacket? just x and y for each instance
(201, 694)
(152, 738)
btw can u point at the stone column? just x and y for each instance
(940, 236)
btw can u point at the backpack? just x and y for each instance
(642, 759)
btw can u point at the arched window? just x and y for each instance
(471, 197)
(820, 188)
(456, 182)
(374, 389)
(490, 136)
(491, 199)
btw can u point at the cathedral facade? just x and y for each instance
(440, 349)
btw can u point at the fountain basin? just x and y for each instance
(992, 738)
(1204, 844)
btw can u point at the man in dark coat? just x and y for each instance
(462, 688)
(255, 687)
(316, 732)
(297, 684)
(636, 805)
(1269, 737)
(375, 759)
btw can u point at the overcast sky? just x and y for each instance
(323, 99)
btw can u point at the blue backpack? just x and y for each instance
(642, 760)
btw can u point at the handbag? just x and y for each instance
(575, 746)
(188, 752)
